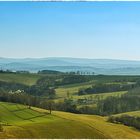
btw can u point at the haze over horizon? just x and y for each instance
(94, 30)
(84, 58)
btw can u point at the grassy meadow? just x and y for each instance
(27, 79)
(132, 113)
(21, 122)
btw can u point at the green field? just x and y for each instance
(72, 88)
(61, 92)
(95, 97)
(27, 79)
(100, 95)
(21, 122)
(132, 113)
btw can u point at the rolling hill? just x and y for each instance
(132, 113)
(99, 66)
(22, 78)
(20, 122)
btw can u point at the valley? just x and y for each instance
(26, 101)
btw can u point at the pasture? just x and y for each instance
(20, 122)
(26, 79)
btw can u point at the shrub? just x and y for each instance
(1, 128)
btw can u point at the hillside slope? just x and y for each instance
(27, 79)
(132, 113)
(22, 122)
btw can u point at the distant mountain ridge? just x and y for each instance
(65, 64)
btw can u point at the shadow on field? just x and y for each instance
(30, 112)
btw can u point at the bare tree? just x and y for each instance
(50, 105)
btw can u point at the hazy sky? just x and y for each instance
(70, 29)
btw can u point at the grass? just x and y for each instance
(132, 113)
(72, 88)
(100, 95)
(27, 79)
(95, 97)
(37, 123)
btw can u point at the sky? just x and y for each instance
(70, 29)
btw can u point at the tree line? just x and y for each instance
(125, 103)
(102, 88)
(128, 120)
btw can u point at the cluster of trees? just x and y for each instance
(7, 86)
(23, 98)
(102, 88)
(114, 105)
(80, 73)
(41, 90)
(49, 72)
(18, 97)
(1, 128)
(26, 99)
(36, 90)
(68, 73)
(6, 71)
(87, 110)
(85, 100)
(18, 72)
(21, 72)
(68, 106)
(126, 120)
(72, 79)
(58, 80)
